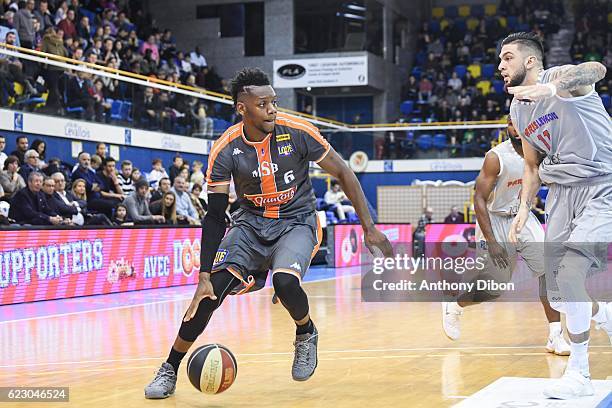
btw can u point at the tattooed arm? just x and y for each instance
(577, 80)
(568, 81)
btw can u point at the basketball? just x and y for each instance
(212, 368)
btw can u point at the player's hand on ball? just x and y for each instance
(375, 239)
(498, 254)
(204, 290)
(518, 223)
(532, 92)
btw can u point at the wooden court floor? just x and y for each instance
(382, 355)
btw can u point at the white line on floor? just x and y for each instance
(416, 349)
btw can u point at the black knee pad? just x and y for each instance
(291, 294)
(284, 282)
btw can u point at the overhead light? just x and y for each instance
(355, 7)
(351, 16)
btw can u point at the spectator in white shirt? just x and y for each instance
(335, 197)
(455, 82)
(197, 58)
(197, 177)
(157, 173)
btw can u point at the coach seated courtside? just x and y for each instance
(29, 205)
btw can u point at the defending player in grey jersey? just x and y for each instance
(566, 134)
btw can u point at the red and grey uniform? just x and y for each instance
(276, 226)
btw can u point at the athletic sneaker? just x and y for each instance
(451, 312)
(571, 385)
(607, 325)
(164, 383)
(557, 345)
(305, 359)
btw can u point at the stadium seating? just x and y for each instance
(439, 141)
(488, 70)
(425, 142)
(460, 70)
(407, 107)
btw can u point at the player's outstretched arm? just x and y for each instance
(213, 230)
(485, 182)
(530, 187)
(578, 80)
(334, 165)
(567, 81)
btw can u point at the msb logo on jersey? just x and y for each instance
(272, 199)
(265, 169)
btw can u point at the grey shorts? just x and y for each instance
(578, 217)
(255, 245)
(530, 246)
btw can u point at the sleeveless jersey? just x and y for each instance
(575, 135)
(271, 176)
(505, 197)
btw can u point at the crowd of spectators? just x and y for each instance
(455, 78)
(593, 41)
(98, 190)
(111, 33)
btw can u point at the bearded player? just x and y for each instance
(276, 228)
(496, 201)
(567, 143)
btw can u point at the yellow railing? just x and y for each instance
(49, 58)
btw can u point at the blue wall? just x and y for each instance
(61, 147)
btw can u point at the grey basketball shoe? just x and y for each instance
(164, 383)
(305, 359)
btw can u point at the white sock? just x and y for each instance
(456, 306)
(554, 329)
(600, 316)
(579, 358)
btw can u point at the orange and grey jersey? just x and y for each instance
(271, 176)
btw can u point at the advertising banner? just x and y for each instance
(348, 241)
(321, 72)
(56, 264)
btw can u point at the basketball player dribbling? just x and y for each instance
(567, 143)
(276, 228)
(496, 201)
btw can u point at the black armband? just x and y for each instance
(213, 229)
